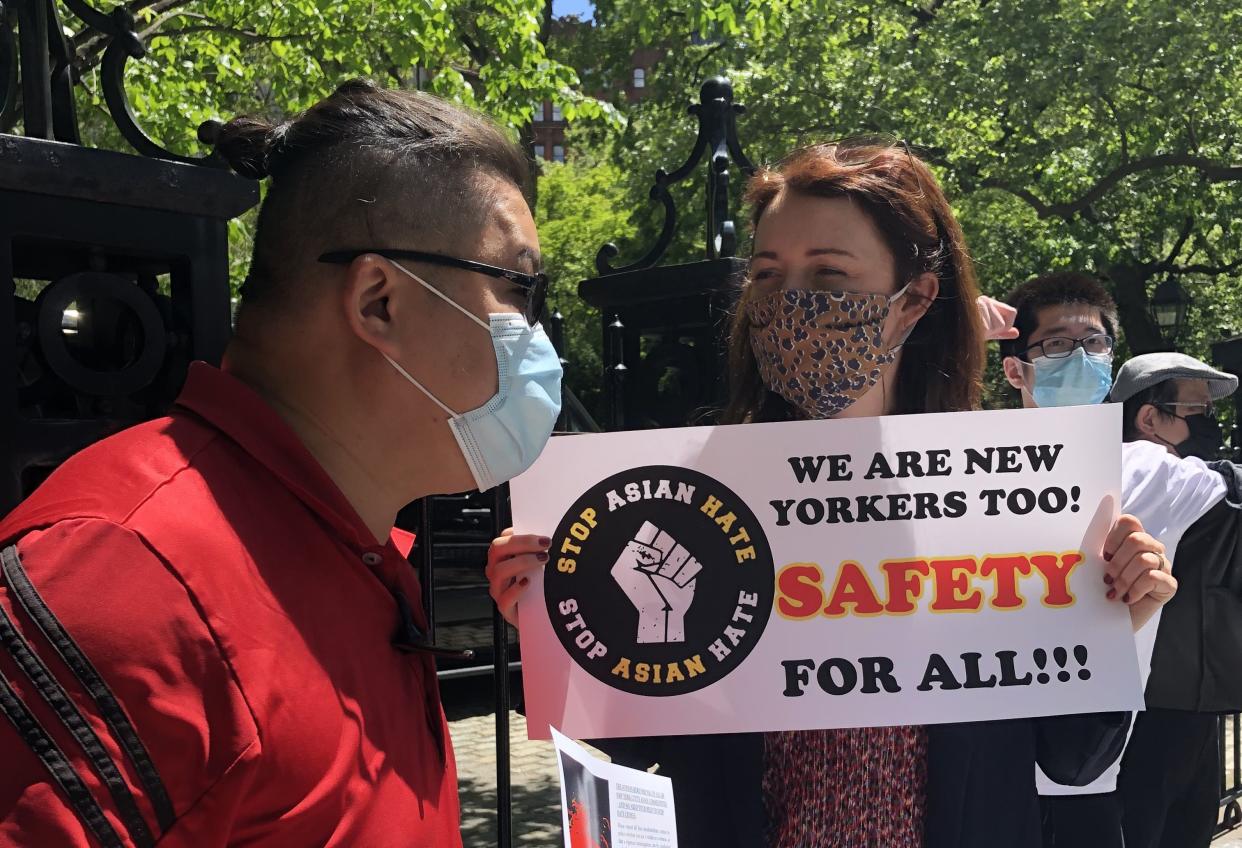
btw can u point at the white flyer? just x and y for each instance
(604, 805)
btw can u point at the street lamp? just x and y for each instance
(1168, 308)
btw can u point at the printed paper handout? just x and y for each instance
(604, 805)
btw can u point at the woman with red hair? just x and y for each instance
(861, 301)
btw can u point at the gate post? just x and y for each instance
(679, 311)
(113, 266)
(1228, 355)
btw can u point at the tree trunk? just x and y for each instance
(1133, 308)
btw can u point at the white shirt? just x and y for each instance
(1167, 495)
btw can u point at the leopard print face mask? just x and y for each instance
(820, 350)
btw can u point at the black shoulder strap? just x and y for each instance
(46, 749)
(32, 604)
(58, 699)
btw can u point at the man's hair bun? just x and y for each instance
(244, 143)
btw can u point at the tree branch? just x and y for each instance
(1121, 127)
(1042, 209)
(474, 47)
(1181, 240)
(156, 24)
(89, 44)
(926, 15)
(707, 54)
(477, 53)
(242, 34)
(1202, 270)
(1208, 169)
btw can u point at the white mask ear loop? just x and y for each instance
(406, 374)
(475, 318)
(901, 293)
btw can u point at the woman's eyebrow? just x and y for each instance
(814, 251)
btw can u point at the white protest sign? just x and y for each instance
(910, 569)
(604, 805)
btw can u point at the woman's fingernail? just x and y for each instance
(542, 556)
(545, 541)
(1125, 598)
(524, 581)
(1112, 593)
(1108, 578)
(1108, 557)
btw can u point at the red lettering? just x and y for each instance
(799, 593)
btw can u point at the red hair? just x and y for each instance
(900, 194)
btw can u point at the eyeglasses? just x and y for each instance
(536, 285)
(1059, 347)
(1199, 408)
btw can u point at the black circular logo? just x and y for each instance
(660, 581)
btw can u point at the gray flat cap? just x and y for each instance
(1143, 372)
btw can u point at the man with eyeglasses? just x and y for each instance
(1169, 783)
(1169, 399)
(1060, 353)
(209, 630)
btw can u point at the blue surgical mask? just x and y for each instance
(1075, 380)
(503, 437)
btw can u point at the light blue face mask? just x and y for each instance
(503, 437)
(1075, 380)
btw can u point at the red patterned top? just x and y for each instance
(846, 788)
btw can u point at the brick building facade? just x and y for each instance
(548, 125)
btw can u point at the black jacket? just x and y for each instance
(1199, 645)
(980, 778)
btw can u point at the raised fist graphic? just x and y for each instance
(658, 576)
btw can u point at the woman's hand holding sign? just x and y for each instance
(511, 560)
(1138, 572)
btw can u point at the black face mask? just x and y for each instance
(1205, 440)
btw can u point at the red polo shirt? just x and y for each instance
(196, 647)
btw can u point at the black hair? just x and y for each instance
(365, 167)
(1064, 287)
(1160, 395)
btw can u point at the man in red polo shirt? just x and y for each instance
(207, 635)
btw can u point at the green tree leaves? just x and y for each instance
(218, 58)
(1072, 133)
(581, 206)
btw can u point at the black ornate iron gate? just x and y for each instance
(113, 266)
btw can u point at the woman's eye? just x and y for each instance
(765, 274)
(825, 271)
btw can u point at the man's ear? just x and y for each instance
(1145, 420)
(369, 299)
(1015, 372)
